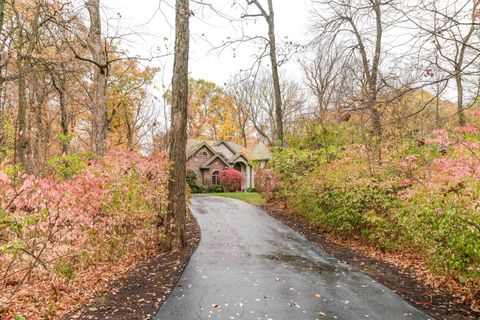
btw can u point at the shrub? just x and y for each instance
(192, 182)
(265, 182)
(215, 189)
(424, 195)
(251, 190)
(290, 165)
(62, 233)
(67, 166)
(446, 225)
(343, 197)
(231, 180)
(201, 189)
(192, 179)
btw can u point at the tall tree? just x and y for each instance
(99, 60)
(361, 27)
(269, 16)
(59, 82)
(2, 14)
(175, 219)
(453, 36)
(26, 41)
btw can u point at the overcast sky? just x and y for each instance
(147, 26)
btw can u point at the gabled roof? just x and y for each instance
(258, 151)
(236, 157)
(209, 161)
(199, 146)
(227, 144)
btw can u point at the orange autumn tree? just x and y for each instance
(127, 96)
(211, 113)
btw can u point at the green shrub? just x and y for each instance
(447, 227)
(199, 189)
(215, 189)
(290, 165)
(65, 270)
(332, 200)
(251, 190)
(67, 166)
(192, 179)
(440, 220)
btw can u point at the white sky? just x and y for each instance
(147, 25)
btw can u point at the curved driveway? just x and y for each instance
(249, 266)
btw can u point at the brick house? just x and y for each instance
(207, 157)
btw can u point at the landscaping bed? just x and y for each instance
(142, 290)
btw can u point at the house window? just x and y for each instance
(215, 178)
(203, 153)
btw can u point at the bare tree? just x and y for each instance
(330, 77)
(2, 14)
(269, 16)
(449, 46)
(26, 41)
(453, 31)
(242, 99)
(361, 24)
(59, 81)
(99, 59)
(175, 219)
(256, 98)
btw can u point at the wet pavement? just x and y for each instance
(249, 266)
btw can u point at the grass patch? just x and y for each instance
(250, 197)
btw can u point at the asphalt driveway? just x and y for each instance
(249, 266)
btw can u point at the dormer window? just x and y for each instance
(203, 153)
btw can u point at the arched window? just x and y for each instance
(203, 153)
(215, 178)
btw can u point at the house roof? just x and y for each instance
(236, 157)
(255, 152)
(260, 152)
(194, 148)
(211, 159)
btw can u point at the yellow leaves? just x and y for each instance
(127, 91)
(211, 112)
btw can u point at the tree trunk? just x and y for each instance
(2, 14)
(64, 121)
(60, 85)
(22, 143)
(99, 120)
(129, 131)
(244, 134)
(175, 219)
(376, 123)
(437, 108)
(279, 135)
(2, 137)
(39, 136)
(459, 83)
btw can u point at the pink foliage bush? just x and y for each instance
(266, 182)
(442, 137)
(56, 233)
(231, 180)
